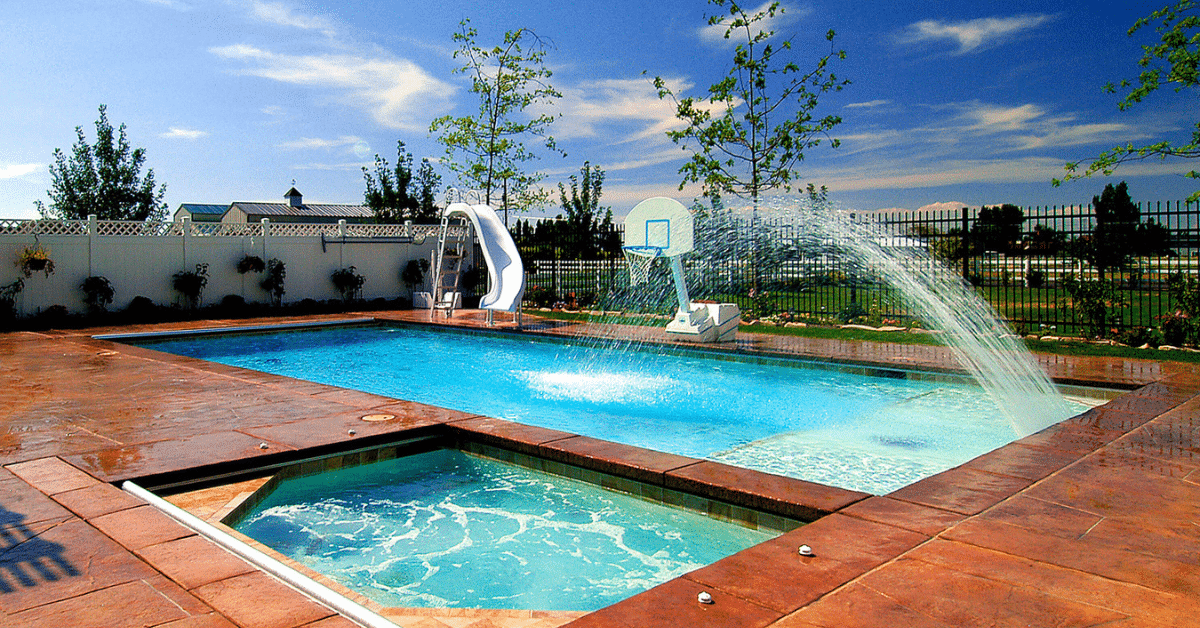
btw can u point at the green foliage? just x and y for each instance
(1183, 324)
(1096, 305)
(8, 299)
(1174, 59)
(755, 125)
(273, 282)
(485, 150)
(1044, 241)
(1119, 234)
(98, 293)
(395, 195)
(103, 179)
(348, 282)
(191, 284)
(1035, 278)
(998, 228)
(586, 220)
(414, 272)
(250, 263)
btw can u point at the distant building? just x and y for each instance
(199, 212)
(294, 210)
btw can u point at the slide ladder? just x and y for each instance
(448, 267)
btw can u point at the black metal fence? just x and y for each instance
(1031, 270)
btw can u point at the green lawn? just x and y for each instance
(1063, 347)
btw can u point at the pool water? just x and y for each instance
(860, 432)
(449, 529)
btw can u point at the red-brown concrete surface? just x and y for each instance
(1095, 521)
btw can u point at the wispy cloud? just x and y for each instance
(179, 133)
(397, 93)
(972, 35)
(170, 4)
(350, 166)
(16, 171)
(281, 14)
(305, 143)
(715, 33)
(593, 108)
(870, 104)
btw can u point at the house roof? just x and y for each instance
(322, 210)
(203, 208)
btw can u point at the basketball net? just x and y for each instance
(640, 259)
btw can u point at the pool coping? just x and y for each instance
(900, 523)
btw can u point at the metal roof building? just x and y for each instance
(294, 210)
(200, 212)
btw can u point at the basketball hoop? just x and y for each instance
(640, 259)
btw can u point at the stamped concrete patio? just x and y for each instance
(1094, 521)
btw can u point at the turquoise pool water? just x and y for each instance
(447, 529)
(861, 432)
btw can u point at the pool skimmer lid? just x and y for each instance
(376, 418)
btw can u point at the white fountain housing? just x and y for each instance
(663, 227)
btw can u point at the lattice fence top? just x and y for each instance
(254, 230)
(43, 227)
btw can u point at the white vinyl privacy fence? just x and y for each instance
(141, 258)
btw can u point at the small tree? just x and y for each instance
(103, 179)
(998, 228)
(98, 293)
(1174, 59)
(191, 284)
(273, 282)
(348, 283)
(395, 195)
(586, 220)
(754, 127)
(1119, 234)
(486, 150)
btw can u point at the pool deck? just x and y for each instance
(1094, 521)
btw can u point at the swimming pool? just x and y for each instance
(444, 528)
(868, 432)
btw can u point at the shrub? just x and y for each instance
(233, 304)
(54, 315)
(8, 299)
(1138, 336)
(348, 282)
(540, 297)
(191, 284)
(1096, 305)
(273, 282)
(97, 293)
(141, 309)
(1035, 278)
(852, 311)
(250, 263)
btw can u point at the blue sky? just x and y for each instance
(951, 102)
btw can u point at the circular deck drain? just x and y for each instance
(375, 418)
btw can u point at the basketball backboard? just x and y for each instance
(660, 223)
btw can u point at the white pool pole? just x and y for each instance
(293, 578)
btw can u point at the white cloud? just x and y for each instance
(352, 166)
(870, 104)
(595, 107)
(281, 14)
(972, 34)
(170, 4)
(183, 134)
(305, 143)
(715, 33)
(397, 93)
(16, 171)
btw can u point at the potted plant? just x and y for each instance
(250, 263)
(35, 259)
